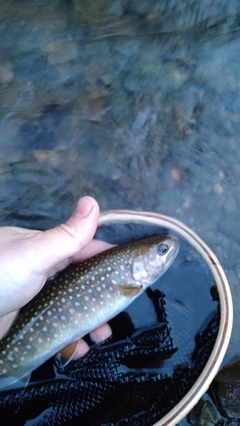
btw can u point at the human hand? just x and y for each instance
(29, 257)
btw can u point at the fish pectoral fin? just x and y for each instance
(129, 290)
(13, 382)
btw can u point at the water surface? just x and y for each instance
(134, 103)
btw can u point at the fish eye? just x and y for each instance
(162, 249)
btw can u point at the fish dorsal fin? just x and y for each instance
(130, 290)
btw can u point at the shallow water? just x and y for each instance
(134, 103)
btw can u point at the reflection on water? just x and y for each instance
(135, 103)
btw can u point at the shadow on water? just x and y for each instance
(134, 103)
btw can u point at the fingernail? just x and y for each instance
(84, 208)
(73, 351)
(101, 333)
(81, 349)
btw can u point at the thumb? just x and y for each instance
(62, 242)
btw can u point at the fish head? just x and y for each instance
(152, 258)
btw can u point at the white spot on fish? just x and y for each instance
(102, 278)
(63, 300)
(63, 318)
(83, 287)
(77, 304)
(85, 307)
(99, 289)
(70, 290)
(15, 365)
(114, 282)
(44, 329)
(89, 290)
(108, 268)
(10, 357)
(86, 298)
(49, 313)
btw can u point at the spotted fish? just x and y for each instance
(79, 299)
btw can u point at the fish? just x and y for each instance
(78, 300)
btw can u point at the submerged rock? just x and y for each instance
(6, 73)
(203, 414)
(93, 11)
(226, 388)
